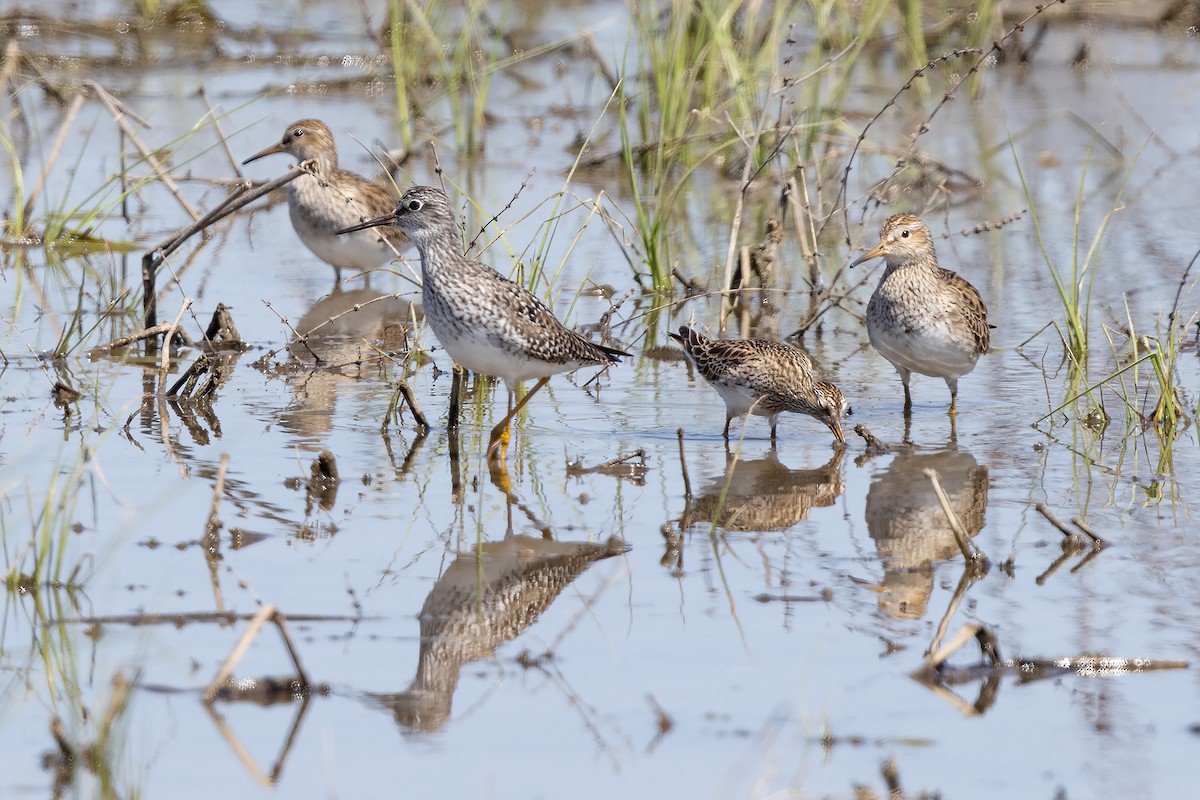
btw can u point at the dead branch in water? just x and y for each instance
(935, 673)
(244, 194)
(267, 613)
(971, 552)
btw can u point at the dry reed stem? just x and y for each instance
(267, 613)
(736, 226)
(165, 359)
(687, 484)
(55, 151)
(1097, 539)
(178, 620)
(936, 658)
(411, 401)
(221, 137)
(971, 553)
(1045, 511)
(119, 113)
(160, 394)
(243, 195)
(146, 333)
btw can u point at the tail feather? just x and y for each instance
(614, 355)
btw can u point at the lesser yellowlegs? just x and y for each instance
(328, 199)
(763, 378)
(486, 322)
(923, 318)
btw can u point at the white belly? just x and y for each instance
(359, 250)
(929, 351)
(740, 400)
(479, 352)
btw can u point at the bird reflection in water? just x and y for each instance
(910, 529)
(486, 597)
(764, 494)
(341, 336)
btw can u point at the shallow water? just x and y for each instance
(590, 633)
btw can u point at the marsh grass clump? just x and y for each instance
(702, 71)
(924, 26)
(1157, 401)
(1074, 286)
(445, 51)
(727, 85)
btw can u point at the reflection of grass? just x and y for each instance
(42, 558)
(44, 589)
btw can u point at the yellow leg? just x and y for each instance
(501, 481)
(498, 443)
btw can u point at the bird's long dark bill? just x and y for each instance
(874, 252)
(270, 151)
(837, 434)
(386, 219)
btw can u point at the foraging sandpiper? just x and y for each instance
(327, 199)
(923, 318)
(487, 323)
(764, 378)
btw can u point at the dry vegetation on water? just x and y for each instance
(756, 99)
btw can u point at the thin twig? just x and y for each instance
(63, 130)
(1045, 511)
(281, 624)
(687, 484)
(498, 214)
(125, 341)
(970, 551)
(1097, 539)
(165, 360)
(242, 196)
(239, 651)
(224, 140)
(736, 226)
(410, 399)
(119, 113)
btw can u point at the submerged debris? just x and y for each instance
(64, 395)
(625, 467)
(323, 481)
(875, 445)
(935, 673)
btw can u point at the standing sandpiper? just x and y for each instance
(326, 199)
(764, 378)
(486, 322)
(923, 318)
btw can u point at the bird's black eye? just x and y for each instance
(415, 205)
(296, 134)
(904, 234)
